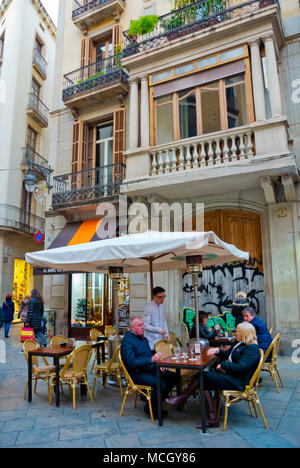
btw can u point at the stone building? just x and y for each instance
(201, 107)
(27, 59)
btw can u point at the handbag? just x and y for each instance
(27, 334)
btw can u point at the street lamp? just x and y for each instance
(30, 179)
(194, 265)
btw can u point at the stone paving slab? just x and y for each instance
(99, 425)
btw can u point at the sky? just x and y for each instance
(52, 8)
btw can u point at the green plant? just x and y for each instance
(143, 25)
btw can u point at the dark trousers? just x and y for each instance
(215, 381)
(168, 380)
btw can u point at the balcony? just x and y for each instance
(31, 156)
(39, 63)
(190, 19)
(15, 218)
(230, 160)
(90, 84)
(37, 110)
(87, 187)
(86, 13)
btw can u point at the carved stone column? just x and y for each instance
(258, 81)
(273, 78)
(134, 113)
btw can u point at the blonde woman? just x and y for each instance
(234, 372)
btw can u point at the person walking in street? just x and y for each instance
(1, 317)
(155, 322)
(34, 317)
(23, 310)
(8, 309)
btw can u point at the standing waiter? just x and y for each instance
(155, 323)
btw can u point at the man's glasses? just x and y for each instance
(161, 297)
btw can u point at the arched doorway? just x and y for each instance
(218, 286)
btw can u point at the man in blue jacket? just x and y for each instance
(264, 337)
(140, 363)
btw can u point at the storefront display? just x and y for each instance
(92, 301)
(23, 283)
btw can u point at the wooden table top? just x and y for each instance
(202, 361)
(52, 351)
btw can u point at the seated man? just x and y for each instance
(264, 337)
(140, 363)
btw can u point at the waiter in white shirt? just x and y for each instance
(155, 323)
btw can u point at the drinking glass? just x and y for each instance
(192, 352)
(177, 352)
(185, 354)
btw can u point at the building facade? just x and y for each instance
(198, 107)
(27, 58)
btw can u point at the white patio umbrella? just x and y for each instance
(149, 251)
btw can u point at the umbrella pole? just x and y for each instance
(195, 284)
(151, 276)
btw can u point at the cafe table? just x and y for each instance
(201, 362)
(55, 352)
(218, 341)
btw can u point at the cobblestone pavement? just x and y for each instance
(98, 425)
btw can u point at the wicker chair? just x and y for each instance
(249, 394)
(111, 368)
(38, 372)
(94, 334)
(74, 371)
(271, 366)
(175, 340)
(58, 340)
(144, 390)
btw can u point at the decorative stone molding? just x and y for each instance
(269, 189)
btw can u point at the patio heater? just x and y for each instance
(116, 274)
(194, 266)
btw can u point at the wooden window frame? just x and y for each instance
(223, 107)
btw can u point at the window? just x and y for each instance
(31, 138)
(236, 101)
(88, 300)
(199, 111)
(187, 114)
(164, 120)
(36, 88)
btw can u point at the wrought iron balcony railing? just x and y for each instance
(94, 76)
(38, 106)
(13, 217)
(100, 182)
(40, 61)
(82, 6)
(189, 19)
(31, 156)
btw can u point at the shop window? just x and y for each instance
(23, 282)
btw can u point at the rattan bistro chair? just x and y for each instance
(166, 349)
(58, 340)
(74, 371)
(111, 368)
(144, 390)
(38, 372)
(271, 366)
(94, 334)
(175, 340)
(249, 394)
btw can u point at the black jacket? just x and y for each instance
(35, 314)
(204, 332)
(244, 363)
(137, 355)
(237, 310)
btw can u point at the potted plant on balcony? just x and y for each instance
(141, 26)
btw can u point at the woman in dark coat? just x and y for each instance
(8, 310)
(234, 372)
(34, 316)
(204, 332)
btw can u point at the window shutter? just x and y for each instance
(79, 152)
(116, 38)
(119, 141)
(86, 56)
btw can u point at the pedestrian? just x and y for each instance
(238, 306)
(8, 309)
(1, 317)
(155, 323)
(23, 310)
(35, 315)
